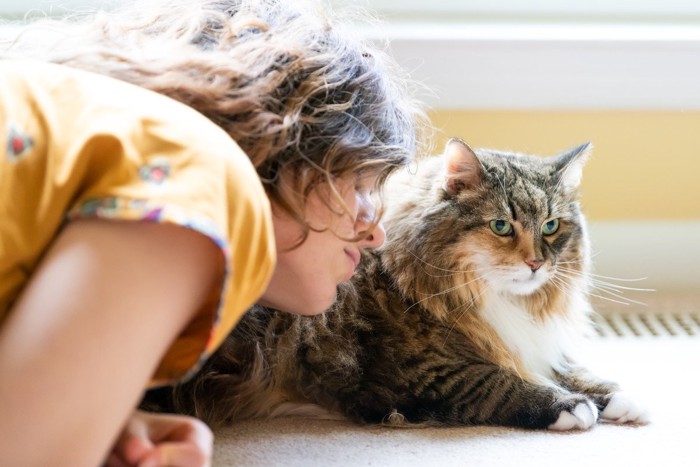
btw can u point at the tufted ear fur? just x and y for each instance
(569, 165)
(463, 171)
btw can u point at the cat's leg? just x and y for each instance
(615, 405)
(503, 398)
(472, 394)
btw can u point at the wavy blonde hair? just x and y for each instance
(301, 94)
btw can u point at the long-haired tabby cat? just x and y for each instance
(469, 314)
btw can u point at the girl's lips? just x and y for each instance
(354, 257)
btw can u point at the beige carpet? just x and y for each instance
(663, 372)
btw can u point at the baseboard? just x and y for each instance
(665, 253)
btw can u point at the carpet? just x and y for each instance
(661, 371)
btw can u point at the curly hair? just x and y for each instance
(301, 94)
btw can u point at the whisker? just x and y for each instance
(454, 322)
(451, 289)
(622, 297)
(565, 286)
(609, 299)
(437, 267)
(448, 275)
(452, 272)
(559, 285)
(598, 282)
(637, 279)
(558, 281)
(610, 289)
(595, 253)
(466, 306)
(602, 284)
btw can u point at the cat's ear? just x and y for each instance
(462, 168)
(569, 165)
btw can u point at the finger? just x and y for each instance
(137, 448)
(177, 454)
(115, 461)
(134, 442)
(185, 429)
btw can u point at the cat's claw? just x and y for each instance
(623, 409)
(581, 417)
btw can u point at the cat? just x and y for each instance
(470, 313)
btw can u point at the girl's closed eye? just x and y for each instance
(367, 210)
(367, 198)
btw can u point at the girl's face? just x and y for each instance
(306, 277)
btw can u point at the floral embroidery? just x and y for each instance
(101, 207)
(112, 207)
(156, 171)
(18, 142)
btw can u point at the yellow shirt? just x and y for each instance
(74, 144)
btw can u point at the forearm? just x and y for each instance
(88, 331)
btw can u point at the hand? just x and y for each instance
(150, 440)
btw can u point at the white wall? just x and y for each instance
(18, 8)
(664, 254)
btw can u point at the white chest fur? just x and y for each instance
(540, 346)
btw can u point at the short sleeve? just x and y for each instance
(189, 173)
(95, 147)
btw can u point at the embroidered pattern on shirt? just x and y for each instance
(155, 171)
(19, 143)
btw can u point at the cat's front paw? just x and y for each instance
(577, 413)
(623, 409)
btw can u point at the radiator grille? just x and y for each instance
(647, 324)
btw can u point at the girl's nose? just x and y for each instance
(375, 238)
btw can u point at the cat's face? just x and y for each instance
(521, 223)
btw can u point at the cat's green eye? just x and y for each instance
(501, 227)
(550, 227)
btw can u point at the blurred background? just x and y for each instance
(542, 76)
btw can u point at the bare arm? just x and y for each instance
(80, 344)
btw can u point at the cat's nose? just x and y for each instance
(534, 264)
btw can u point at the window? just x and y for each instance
(520, 54)
(17, 9)
(548, 54)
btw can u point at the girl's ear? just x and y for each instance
(463, 171)
(569, 165)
